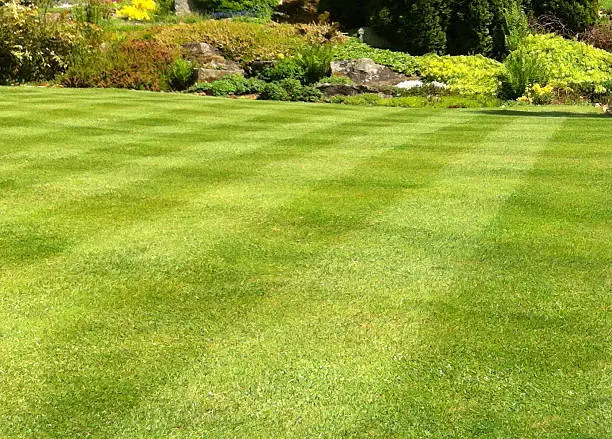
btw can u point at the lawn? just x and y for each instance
(183, 267)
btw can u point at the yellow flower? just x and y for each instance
(139, 10)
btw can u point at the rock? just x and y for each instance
(183, 7)
(204, 55)
(416, 83)
(211, 63)
(210, 75)
(365, 71)
(342, 89)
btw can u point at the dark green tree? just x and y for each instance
(417, 26)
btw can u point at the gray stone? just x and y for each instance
(183, 7)
(210, 75)
(342, 89)
(364, 71)
(211, 64)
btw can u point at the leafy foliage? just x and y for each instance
(92, 11)
(285, 68)
(463, 74)
(568, 63)
(180, 74)
(314, 60)
(135, 63)
(517, 26)
(33, 48)
(257, 7)
(521, 71)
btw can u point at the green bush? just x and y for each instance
(33, 48)
(314, 61)
(92, 11)
(135, 64)
(180, 74)
(290, 90)
(463, 74)
(299, 92)
(517, 26)
(286, 68)
(521, 71)
(568, 64)
(257, 7)
(341, 80)
(274, 92)
(231, 85)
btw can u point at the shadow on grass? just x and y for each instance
(515, 113)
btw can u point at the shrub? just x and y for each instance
(567, 63)
(274, 92)
(33, 48)
(342, 80)
(92, 11)
(180, 74)
(398, 61)
(521, 70)
(539, 95)
(285, 68)
(165, 9)
(136, 64)
(314, 61)
(573, 15)
(516, 26)
(299, 92)
(138, 10)
(463, 74)
(308, 66)
(262, 8)
(231, 85)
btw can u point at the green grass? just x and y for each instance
(182, 267)
(605, 4)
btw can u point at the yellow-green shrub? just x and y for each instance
(569, 64)
(463, 74)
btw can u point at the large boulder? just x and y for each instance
(364, 71)
(211, 63)
(183, 7)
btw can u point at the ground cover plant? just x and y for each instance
(178, 266)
